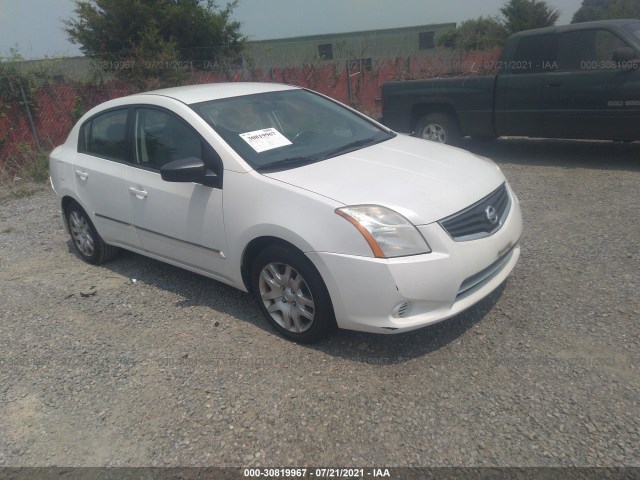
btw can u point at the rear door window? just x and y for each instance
(106, 135)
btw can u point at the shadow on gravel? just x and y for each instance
(393, 349)
(193, 289)
(595, 155)
(196, 290)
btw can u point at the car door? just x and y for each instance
(183, 221)
(519, 87)
(592, 94)
(99, 171)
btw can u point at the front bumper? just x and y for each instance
(403, 294)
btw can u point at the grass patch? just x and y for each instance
(37, 169)
(6, 230)
(16, 193)
(27, 163)
(21, 192)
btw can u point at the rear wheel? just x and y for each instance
(86, 240)
(438, 127)
(292, 295)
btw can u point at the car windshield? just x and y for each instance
(287, 129)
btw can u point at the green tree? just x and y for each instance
(483, 33)
(20, 79)
(147, 40)
(606, 9)
(522, 15)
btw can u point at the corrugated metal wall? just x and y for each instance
(339, 47)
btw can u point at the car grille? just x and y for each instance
(480, 219)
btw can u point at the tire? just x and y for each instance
(85, 238)
(438, 127)
(291, 294)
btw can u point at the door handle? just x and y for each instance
(137, 193)
(554, 85)
(82, 175)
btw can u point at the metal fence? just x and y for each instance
(45, 120)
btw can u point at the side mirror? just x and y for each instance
(626, 56)
(189, 169)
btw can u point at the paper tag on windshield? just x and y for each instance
(265, 139)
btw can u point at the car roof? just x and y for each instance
(577, 26)
(214, 91)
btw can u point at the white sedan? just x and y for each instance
(326, 216)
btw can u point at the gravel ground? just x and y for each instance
(179, 370)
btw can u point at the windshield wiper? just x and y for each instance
(285, 163)
(350, 147)
(293, 162)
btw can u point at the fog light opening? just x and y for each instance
(402, 310)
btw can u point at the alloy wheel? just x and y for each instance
(287, 297)
(81, 233)
(435, 133)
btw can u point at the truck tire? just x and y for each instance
(438, 127)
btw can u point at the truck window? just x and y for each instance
(588, 49)
(634, 29)
(532, 55)
(606, 44)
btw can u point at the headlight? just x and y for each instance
(388, 233)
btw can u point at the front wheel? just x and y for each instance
(292, 295)
(438, 127)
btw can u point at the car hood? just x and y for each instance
(422, 180)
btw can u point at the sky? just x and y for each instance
(35, 26)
